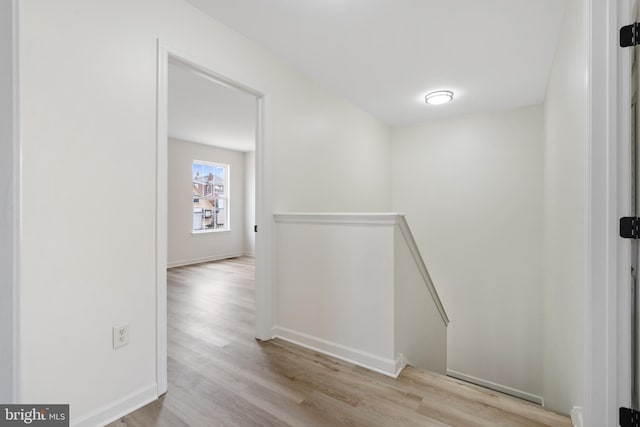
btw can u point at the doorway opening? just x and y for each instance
(210, 163)
(211, 169)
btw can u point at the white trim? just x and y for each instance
(180, 59)
(264, 247)
(576, 417)
(607, 270)
(417, 257)
(162, 147)
(388, 218)
(381, 365)
(207, 232)
(613, 380)
(10, 203)
(401, 363)
(17, 202)
(182, 263)
(264, 244)
(118, 408)
(497, 387)
(226, 199)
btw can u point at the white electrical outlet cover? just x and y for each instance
(120, 336)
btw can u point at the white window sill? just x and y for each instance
(201, 232)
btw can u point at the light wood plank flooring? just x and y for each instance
(219, 375)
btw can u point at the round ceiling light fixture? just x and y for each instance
(439, 97)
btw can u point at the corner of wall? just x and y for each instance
(565, 216)
(576, 416)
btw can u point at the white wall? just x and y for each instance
(336, 295)
(357, 292)
(184, 247)
(471, 189)
(88, 126)
(250, 202)
(420, 330)
(565, 172)
(6, 199)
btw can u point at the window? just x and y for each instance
(210, 196)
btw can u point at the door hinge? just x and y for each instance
(630, 35)
(630, 227)
(629, 418)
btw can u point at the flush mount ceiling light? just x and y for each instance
(439, 97)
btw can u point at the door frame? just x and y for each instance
(10, 203)
(263, 322)
(608, 334)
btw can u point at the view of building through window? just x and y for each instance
(210, 196)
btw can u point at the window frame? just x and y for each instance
(226, 199)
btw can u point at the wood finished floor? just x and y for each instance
(219, 375)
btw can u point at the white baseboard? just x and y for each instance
(401, 363)
(388, 367)
(182, 263)
(118, 408)
(576, 416)
(497, 387)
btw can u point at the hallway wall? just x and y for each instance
(565, 220)
(88, 134)
(471, 189)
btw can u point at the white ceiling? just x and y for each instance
(385, 55)
(205, 112)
